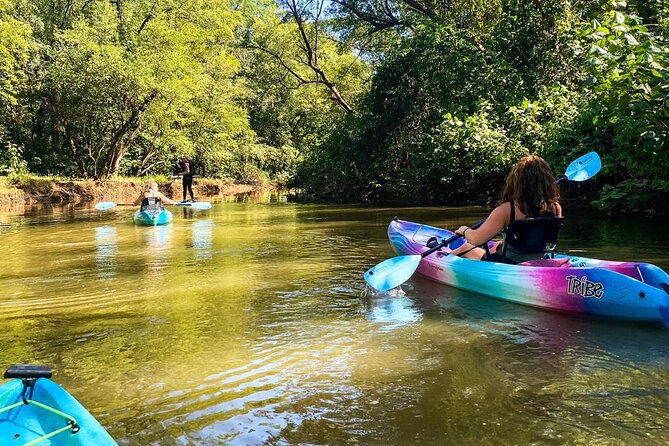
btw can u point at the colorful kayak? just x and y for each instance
(36, 411)
(622, 290)
(152, 217)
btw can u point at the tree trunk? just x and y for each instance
(118, 142)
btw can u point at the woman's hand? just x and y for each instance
(461, 230)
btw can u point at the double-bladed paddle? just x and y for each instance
(393, 272)
(104, 205)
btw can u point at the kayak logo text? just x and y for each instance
(585, 288)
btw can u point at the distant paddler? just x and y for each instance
(187, 177)
(151, 195)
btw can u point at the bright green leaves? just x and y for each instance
(15, 47)
(627, 79)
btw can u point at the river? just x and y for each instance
(250, 324)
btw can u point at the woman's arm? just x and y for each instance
(164, 199)
(493, 225)
(139, 199)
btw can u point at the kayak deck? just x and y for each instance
(623, 290)
(152, 218)
(43, 413)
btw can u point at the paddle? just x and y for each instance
(395, 271)
(104, 205)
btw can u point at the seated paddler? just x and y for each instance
(151, 198)
(529, 217)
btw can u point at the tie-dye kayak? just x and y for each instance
(622, 290)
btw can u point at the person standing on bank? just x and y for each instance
(187, 177)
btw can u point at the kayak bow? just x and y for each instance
(36, 411)
(152, 217)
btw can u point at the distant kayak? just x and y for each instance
(623, 290)
(152, 217)
(36, 411)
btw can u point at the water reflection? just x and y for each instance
(106, 249)
(393, 311)
(156, 245)
(201, 233)
(548, 333)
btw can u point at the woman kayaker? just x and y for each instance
(529, 191)
(151, 191)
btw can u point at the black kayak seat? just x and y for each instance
(529, 238)
(151, 204)
(27, 371)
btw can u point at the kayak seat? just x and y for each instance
(151, 204)
(27, 371)
(548, 263)
(528, 239)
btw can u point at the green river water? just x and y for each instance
(250, 324)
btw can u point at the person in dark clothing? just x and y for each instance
(187, 177)
(530, 191)
(151, 191)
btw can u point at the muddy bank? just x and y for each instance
(29, 191)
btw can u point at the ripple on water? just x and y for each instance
(246, 325)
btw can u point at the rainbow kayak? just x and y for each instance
(152, 217)
(621, 290)
(36, 411)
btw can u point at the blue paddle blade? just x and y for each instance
(392, 272)
(104, 205)
(584, 168)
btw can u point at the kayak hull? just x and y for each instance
(29, 422)
(621, 290)
(152, 218)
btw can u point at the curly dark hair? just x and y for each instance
(531, 185)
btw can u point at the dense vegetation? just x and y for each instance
(360, 99)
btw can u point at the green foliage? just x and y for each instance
(12, 163)
(404, 146)
(627, 66)
(15, 48)
(461, 157)
(127, 88)
(422, 100)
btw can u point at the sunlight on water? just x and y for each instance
(250, 324)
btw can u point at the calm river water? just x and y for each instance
(249, 324)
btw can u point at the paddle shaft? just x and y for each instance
(450, 239)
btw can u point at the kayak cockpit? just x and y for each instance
(29, 375)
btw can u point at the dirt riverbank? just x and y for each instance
(36, 190)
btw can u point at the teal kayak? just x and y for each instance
(152, 217)
(36, 411)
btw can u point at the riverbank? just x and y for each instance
(49, 190)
